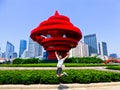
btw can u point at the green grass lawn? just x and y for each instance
(55, 64)
(113, 67)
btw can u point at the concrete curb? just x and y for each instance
(92, 86)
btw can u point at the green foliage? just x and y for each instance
(87, 65)
(49, 76)
(113, 67)
(18, 61)
(55, 64)
(69, 60)
(84, 60)
(26, 61)
(30, 65)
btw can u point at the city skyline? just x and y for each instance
(90, 39)
(19, 17)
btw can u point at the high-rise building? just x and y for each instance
(0, 53)
(23, 46)
(103, 48)
(3, 55)
(38, 49)
(31, 48)
(91, 41)
(15, 55)
(9, 50)
(45, 55)
(34, 49)
(25, 54)
(80, 51)
(113, 55)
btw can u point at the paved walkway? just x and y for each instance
(92, 86)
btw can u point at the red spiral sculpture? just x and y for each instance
(56, 34)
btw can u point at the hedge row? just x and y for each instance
(49, 76)
(113, 67)
(87, 65)
(26, 61)
(69, 60)
(84, 60)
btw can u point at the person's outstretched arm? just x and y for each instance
(56, 55)
(66, 56)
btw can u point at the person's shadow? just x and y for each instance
(62, 87)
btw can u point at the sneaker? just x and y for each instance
(64, 73)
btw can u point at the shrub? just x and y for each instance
(84, 60)
(49, 76)
(17, 61)
(26, 61)
(69, 60)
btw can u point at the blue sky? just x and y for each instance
(102, 17)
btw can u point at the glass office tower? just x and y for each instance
(103, 48)
(23, 46)
(91, 41)
(34, 49)
(9, 50)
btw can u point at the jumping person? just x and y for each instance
(61, 60)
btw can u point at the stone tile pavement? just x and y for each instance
(92, 86)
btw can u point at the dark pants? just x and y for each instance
(59, 70)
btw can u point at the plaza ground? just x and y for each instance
(92, 86)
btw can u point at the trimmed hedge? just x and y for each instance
(49, 76)
(26, 61)
(68, 60)
(84, 60)
(113, 67)
(87, 65)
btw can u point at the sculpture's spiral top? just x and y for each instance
(60, 22)
(57, 34)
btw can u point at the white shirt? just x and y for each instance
(60, 61)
